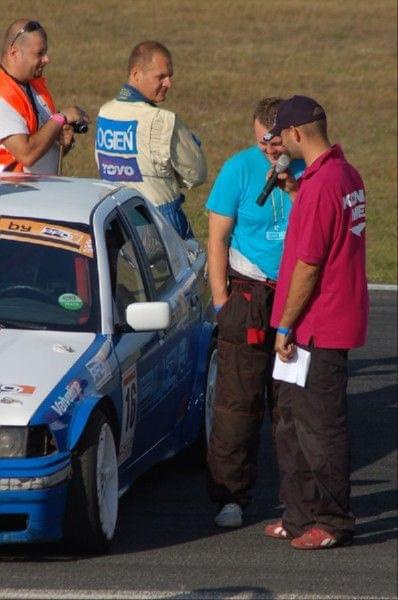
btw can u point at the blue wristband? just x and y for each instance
(284, 330)
(217, 307)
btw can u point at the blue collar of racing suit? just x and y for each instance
(128, 93)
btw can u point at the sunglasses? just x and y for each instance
(28, 28)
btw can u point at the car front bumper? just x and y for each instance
(32, 498)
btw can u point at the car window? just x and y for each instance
(47, 276)
(126, 279)
(139, 217)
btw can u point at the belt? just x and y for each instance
(268, 282)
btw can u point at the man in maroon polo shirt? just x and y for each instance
(321, 305)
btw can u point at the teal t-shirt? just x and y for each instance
(258, 231)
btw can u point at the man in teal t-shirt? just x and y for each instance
(244, 252)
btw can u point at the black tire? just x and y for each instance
(85, 526)
(196, 454)
(208, 408)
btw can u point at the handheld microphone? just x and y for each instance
(281, 165)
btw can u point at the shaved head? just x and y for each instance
(25, 55)
(16, 33)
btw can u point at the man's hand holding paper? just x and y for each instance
(294, 370)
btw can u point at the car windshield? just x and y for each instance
(47, 276)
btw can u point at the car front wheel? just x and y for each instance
(92, 505)
(210, 390)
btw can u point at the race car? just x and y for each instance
(107, 359)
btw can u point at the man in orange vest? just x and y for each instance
(32, 133)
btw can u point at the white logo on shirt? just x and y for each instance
(356, 201)
(354, 198)
(357, 229)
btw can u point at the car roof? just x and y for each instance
(53, 198)
(73, 199)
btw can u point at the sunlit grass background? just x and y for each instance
(227, 55)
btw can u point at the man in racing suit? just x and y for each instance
(145, 146)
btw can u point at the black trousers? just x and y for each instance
(244, 364)
(313, 448)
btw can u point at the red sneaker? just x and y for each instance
(276, 530)
(314, 539)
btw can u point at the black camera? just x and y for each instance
(80, 127)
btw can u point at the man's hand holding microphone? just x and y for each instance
(281, 176)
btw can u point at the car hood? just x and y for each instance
(31, 365)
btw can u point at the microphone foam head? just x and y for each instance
(282, 163)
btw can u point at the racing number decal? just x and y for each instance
(130, 406)
(130, 396)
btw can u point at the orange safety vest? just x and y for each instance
(12, 93)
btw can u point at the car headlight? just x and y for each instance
(25, 442)
(12, 441)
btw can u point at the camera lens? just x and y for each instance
(80, 127)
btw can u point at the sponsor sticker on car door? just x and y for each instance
(130, 396)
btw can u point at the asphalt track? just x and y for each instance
(167, 546)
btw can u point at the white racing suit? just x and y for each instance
(150, 149)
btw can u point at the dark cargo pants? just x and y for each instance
(244, 369)
(313, 449)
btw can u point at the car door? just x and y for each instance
(177, 342)
(138, 353)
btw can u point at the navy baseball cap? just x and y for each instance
(295, 111)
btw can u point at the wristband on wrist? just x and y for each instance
(217, 307)
(58, 118)
(284, 330)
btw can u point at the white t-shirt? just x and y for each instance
(12, 123)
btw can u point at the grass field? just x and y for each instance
(227, 55)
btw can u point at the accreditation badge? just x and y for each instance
(276, 232)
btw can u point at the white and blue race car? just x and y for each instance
(107, 358)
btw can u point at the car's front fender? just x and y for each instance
(80, 416)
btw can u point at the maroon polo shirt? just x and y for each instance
(327, 228)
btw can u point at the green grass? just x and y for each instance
(227, 55)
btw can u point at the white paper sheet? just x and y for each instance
(294, 371)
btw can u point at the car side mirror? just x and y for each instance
(148, 316)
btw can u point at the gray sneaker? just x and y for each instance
(229, 516)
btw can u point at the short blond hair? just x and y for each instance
(265, 111)
(143, 52)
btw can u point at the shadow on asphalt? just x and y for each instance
(373, 425)
(376, 531)
(35, 553)
(360, 367)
